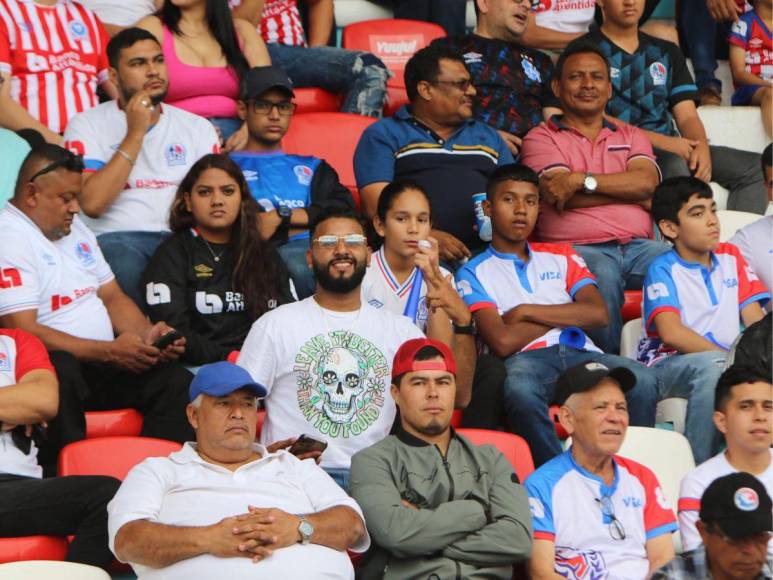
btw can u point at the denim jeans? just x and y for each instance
(360, 75)
(340, 476)
(450, 14)
(293, 254)
(694, 377)
(128, 254)
(618, 267)
(227, 126)
(699, 32)
(736, 170)
(530, 389)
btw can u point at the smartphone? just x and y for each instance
(307, 444)
(167, 339)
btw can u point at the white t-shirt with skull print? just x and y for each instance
(327, 374)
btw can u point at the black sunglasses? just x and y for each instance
(70, 162)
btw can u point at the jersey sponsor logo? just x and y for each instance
(78, 29)
(175, 154)
(658, 73)
(303, 173)
(473, 58)
(48, 259)
(530, 70)
(5, 362)
(342, 378)
(203, 271)
(157, 293)
(657, 290)
(746, 499)
(614, 73)
(85, 253)
(78, 148)
(376, 303)
(755, 43)
(208, 303)
(153, 184)
(730, 282)
(550, 276)
(250, 174)
(10, 278)
(581, 564)
(631, 501)
(536, 507)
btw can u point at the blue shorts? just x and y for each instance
(743, 95)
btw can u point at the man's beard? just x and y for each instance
(338, 284)
(155, 100)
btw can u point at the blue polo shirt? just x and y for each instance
(451, 170)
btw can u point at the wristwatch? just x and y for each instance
(467, 329)
(589, 183)
(305, 529)
(285, 213)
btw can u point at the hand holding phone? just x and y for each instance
(307, 444)
(167, 339)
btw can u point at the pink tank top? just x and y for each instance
(208, 91)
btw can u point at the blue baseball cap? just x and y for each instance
(223, 378)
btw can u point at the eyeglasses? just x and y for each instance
(760, 538)
(70, 162)
(616, 529)
(328, 242)
(462, 85)
(285, 108)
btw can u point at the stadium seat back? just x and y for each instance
(329, 136)
(731, 221)
(115, 422)
(629, 338)
(393, 40)
(316, 100)
(32, 548)
(512, 446)
(46, 570)
(632, 305)
(114, 456)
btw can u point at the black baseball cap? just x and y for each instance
(739, 504)
(260, 79)
(585, 376)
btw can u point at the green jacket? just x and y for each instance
(473, 519)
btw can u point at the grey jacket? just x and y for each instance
(473, 520)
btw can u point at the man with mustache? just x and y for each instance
(326, 360)
(136, 152)
(596, 181)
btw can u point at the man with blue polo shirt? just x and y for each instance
(292, 189)
(654, 90)
(435, 142)
(596, 514)
(532, 304)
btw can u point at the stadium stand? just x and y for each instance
(513, 447)
(32, 548)
(113, 456)
(316, 100)
(45, 570)
(116, 422)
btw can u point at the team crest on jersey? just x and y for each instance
(581, 564)
(541, 5)
(530, 70)
(85, 253)
(175, 154)
(658, 73)
(5, 362)
(78, 29)
(342, 380)
(303, 173)
(614, 73)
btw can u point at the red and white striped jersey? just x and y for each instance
(280, 23)
(55, 56)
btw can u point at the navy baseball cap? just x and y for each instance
(260, 79)
(223, 378)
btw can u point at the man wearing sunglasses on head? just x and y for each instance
(326, 360)
(292, 189)
(591, 509)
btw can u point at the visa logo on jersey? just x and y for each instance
(731, 282)
(550, 276)
(634, 502)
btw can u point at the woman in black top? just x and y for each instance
(214, 276)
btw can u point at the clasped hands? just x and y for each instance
(255, 534)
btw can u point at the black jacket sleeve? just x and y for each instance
(166, 284)
(327, 191)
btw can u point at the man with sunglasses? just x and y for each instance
(292, 189)
(56, 284)
(137, 151)
(326, 360)
(596, 514)
(735, 526)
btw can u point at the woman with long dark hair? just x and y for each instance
(207, 52)
(214, 276)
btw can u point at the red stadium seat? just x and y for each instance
(113, 456)
(113, 423)
(456, 418)
(560, 431)
(261, 418)
(332, 137)
(32, 548)
(392, 40)
(512, 446)
(632, 306)
(316, 100)
(396, 98)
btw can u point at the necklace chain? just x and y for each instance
(215, 256)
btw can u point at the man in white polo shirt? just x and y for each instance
(327, 360)
(193, 514)
(55, 284)
(136, 152)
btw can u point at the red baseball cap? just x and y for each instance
(405, 358)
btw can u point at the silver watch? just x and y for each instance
(305, 529)
(589, 183)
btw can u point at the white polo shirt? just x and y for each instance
(381, 289)
(58, 279)
(756, 244)
(120, 12)
(169, 149)
(327, 374)
(185, 490)
(691, 491)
